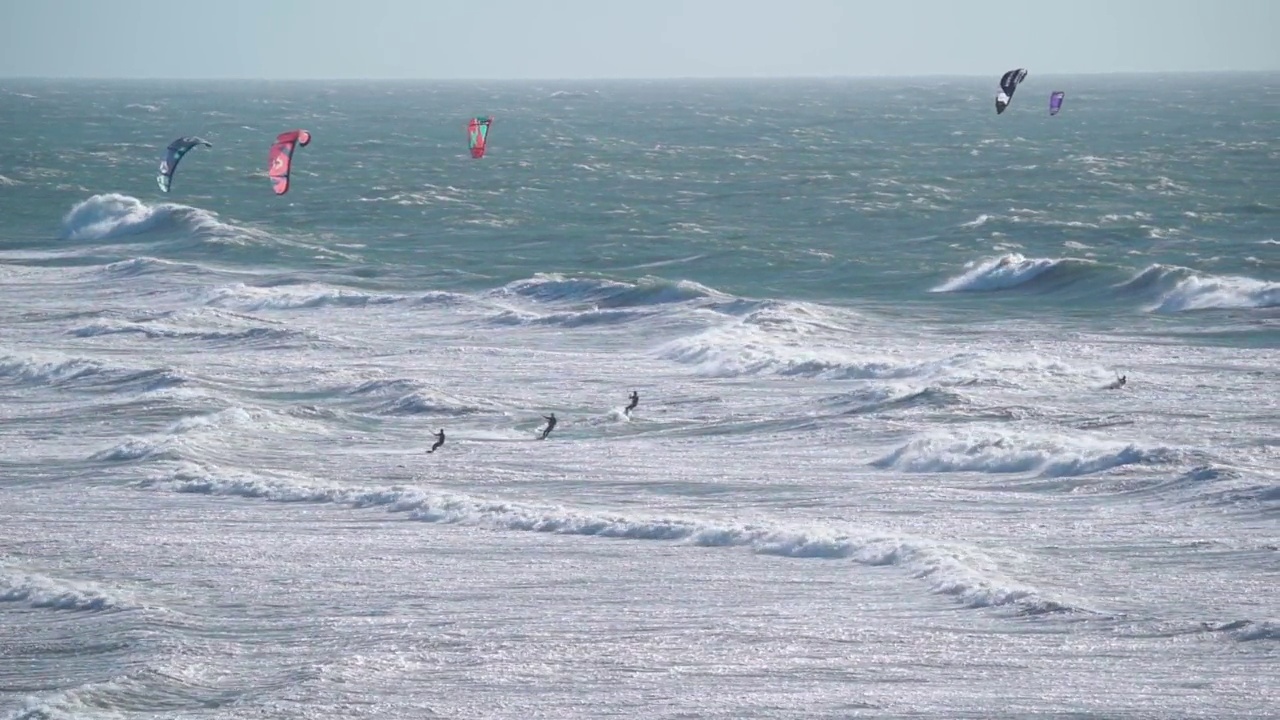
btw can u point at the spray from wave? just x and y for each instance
(1173, 289)
(1004, 452)
(1009, 271)
(113, 215)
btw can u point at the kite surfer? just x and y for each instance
(1119, 383)
(635, 400)
(439, 440)
(551, 425)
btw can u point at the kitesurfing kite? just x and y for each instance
(478, 135)
(280, 158)
(1055, 102)
(1009, 83)
(169, 164)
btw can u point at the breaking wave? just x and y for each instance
(952, 570)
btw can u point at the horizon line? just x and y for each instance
(636, 78)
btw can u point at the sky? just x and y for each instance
(572, 39)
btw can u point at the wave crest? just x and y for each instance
(112, 215)
(606, 294)
(1047, 457)
(47, 593)
(1012, 270)
(952, 570)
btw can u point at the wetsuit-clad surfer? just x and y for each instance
(635, 400)
(439, 441)
(551, 425)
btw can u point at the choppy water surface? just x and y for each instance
(876, 470)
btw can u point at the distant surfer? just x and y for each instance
(1119, 383)
(551, 425)
(439, 441)
(635, 400)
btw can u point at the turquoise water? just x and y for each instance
(876, 469)
(835, 191)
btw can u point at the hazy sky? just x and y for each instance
(488, 39)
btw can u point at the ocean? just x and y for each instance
(878, 467)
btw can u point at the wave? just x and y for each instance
(191, 434)
(585, 318)
(112, 215)
(606, 294)
(310, 295)
(880, 400)
(133, 449)
(1015, 271)
(1249, 631)
(428, 403)
(1217, 488)
(780, 337)
(387, 385)
(139, 266)
(1237, 630)
(1162, 288)
(47, 369)
(411, 397)
(1264, 497)
(957, 571)
(1174, 289)
(742, 351)
(47, 593)
(182, 229)
(172, 327)
(1047, 456)
(159, 331)
(169, 445)
(1023, 216)
(589, 301)
(813, 351)
(1203, 486)
(53, 369)
(440, 297)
